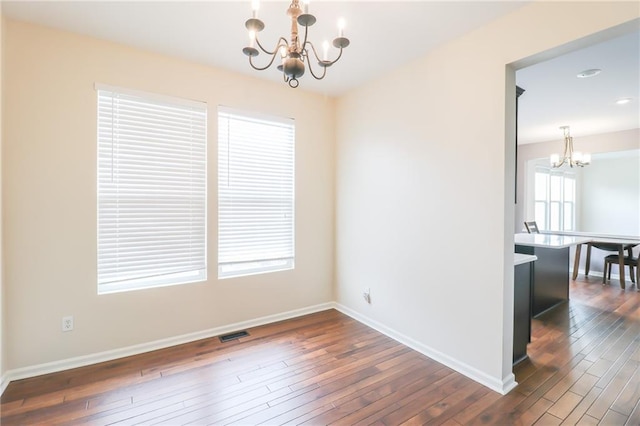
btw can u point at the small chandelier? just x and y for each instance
(296, 51)
(571, 157)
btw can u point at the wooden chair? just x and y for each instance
(630, 261)
(532, 227)
(606, 247)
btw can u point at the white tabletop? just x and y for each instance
(549, 240)
(519, 258)
(615, 240)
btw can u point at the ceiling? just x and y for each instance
(554, 96)
(383, 34)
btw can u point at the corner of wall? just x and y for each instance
(3, 383)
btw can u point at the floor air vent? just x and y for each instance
(233, 336)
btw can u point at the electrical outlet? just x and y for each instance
(67, 323)
(367, 295)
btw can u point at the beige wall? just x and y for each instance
(415, 150)
(49, 196)
(2, 298)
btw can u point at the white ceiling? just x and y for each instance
(383, 34)
(554, 96)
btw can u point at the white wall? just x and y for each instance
(49, 198)
(425, 173)
(595, 144)
(610, 196)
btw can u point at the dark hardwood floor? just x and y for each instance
(326, 368)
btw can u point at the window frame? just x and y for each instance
(559, 204)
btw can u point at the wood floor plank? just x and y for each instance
(476, 408)
(560, 388)
(582, 407)
(565, 405)
(548, 420)
(634, 418)
(411, 408)
(613, 418)
(327, 368)
(584, 384)
(630, 395)
(588, 421)
(368, 392)
(534, 413)
(611, 392)
(445, 409)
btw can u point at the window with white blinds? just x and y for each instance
(255, 193)
(151, 190)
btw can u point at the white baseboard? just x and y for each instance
(4, 382)
(501, 386)
(615, 277)
(81, 361)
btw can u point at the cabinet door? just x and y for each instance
(521, 311)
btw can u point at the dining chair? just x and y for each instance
(607, 247)
(630, 261)
(532, 227)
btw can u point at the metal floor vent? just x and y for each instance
(233, 336)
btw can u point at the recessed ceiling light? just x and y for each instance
(589, 73)
(623, 101)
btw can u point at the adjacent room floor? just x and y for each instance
(328, 368)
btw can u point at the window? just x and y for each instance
(255, 194)
(555, 198)
(151, 190)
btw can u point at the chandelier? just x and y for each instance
(571, 157)
(295, 51)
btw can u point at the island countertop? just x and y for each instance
(549, 240)
(519, 258)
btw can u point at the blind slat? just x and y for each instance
(151, 190)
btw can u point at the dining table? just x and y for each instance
(619, 245)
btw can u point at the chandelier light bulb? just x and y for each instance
(554, 159)
(252, 38)
(341, 24)
(325, 50)
(255, 6)
(283, 53)
(305, 6)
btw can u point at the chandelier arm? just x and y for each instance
(339, 56)
(568, 150)
(304, 43)
(313, 49)
(281, 39)
(329, 63)
(273, 57)
(324, 69)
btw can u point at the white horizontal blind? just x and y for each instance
(151, 190)
(255, 194)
